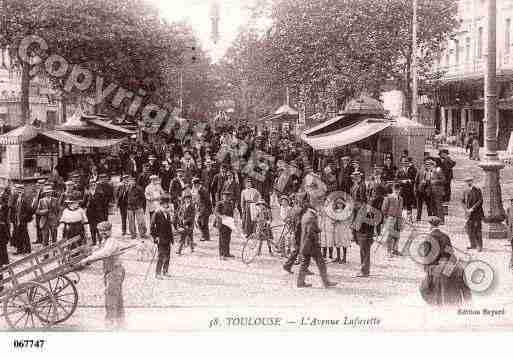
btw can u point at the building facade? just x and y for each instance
(459, 98)
(43, 101)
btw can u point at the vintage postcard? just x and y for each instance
(249, 166)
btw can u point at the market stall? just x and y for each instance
(284, 118)
(364, 131)
(29, 153)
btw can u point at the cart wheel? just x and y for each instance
(250, 249)
(30, 307)
(66, 297)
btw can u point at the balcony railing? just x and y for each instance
(476, 67)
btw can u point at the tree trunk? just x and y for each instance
(63, 108)
(25, 92)
(407, 90)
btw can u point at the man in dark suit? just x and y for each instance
(224, 207)
(176, 186)
(310, 248)
(344, 175)
(363, 228)
(23, 214)
(94, 204)
(132, 167)
(166, 175)
(163, 223)
(473, 205)
(439, 287)
(38, 194)
(122, 201)
(358, 195)
(107, 189)
(295, 215)
(48, 210)
(446, 164)
(201, 199)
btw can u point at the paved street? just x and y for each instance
(203, 288)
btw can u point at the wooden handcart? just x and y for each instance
(40, 289)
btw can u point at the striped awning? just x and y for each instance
(346, 135)
(81, 141)
(19, 135)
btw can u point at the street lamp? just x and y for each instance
(492, 196)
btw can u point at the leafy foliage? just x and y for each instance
(331, 50)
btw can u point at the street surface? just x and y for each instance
(203, 288)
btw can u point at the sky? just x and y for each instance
(197, 13)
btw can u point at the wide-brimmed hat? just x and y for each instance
(41, 181)
(284, 197)
(47, 189)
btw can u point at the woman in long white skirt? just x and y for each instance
(336, 232)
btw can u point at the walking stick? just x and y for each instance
(149, 265)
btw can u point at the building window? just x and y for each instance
(457, 51)
(467, 49)
(507, 40)
(480, 43)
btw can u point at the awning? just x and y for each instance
(19, 135)
(346, 135)
(110, 126)
(322, 125)
(79, 140)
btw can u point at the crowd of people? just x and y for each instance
(167, 190)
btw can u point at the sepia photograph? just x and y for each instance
(255, 166)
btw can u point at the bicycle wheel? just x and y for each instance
(250, 249)
(278, 246)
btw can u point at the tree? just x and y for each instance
(345, 47)
(125, 41)
(246, 77)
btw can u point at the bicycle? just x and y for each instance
(263, 233)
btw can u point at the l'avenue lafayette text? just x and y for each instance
(348, 321)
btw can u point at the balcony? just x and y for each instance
(476, 68)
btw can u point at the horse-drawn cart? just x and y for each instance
(40, 289)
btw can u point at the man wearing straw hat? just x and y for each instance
(49, 212)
